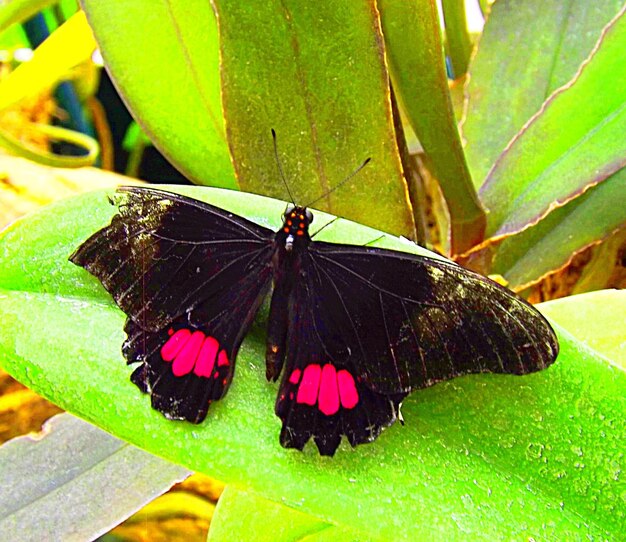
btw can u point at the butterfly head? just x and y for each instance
(296, 221)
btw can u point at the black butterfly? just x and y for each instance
(352, 329)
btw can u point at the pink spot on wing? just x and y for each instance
(307, 392)
(175, 344)
(186, 358)
(295, 376)
(206, 357)
(216, 374)
(170, 331)
(222, 359)
(328, 399)
(347, 389)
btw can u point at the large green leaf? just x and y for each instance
(528, 49)
(416, 62)
(53, 484)
(164, 60)
(576, 141)
(315, 72)
(483, 457)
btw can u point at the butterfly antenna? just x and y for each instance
(280, 167)
(339, 185)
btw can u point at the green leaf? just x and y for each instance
(527, 50)
(15, 11)
(526, 257)
(459, 44)
(486, 457)
(594, 319)
(167, 69)
(245, 516)
(416, 62)
(574, 142)
(315, 72)
(53, 484)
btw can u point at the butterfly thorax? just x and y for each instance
(294, 233)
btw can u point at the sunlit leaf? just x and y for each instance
(487, 457)
(314, 72)
(575, 142)
(65, 49)
(53, 484)
(528, 50)
(594, 319)
(238, 514)
(164, 59)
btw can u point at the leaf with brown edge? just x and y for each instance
(534, 253)
(575, 142)
(527, 50)
(314, 72)
(527, 257)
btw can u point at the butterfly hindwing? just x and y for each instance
(321, 395)
(190, 278)
(412, 321)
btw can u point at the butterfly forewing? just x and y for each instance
(190, 278)
(411, 321)
(163, 253)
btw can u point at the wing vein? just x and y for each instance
(343, 304)
(417, 343)
(372, 285)
(390, 346)
(241, 223)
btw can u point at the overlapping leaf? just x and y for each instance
(315, 72)
(575, 142)
(52, 485)
(524, 258)
(164, 59)
(416, 61)
(527, 50)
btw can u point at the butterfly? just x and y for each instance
(351, 329)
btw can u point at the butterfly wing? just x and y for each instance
(415, 321)
(190, 278)
(321, 394)
(393, 322)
